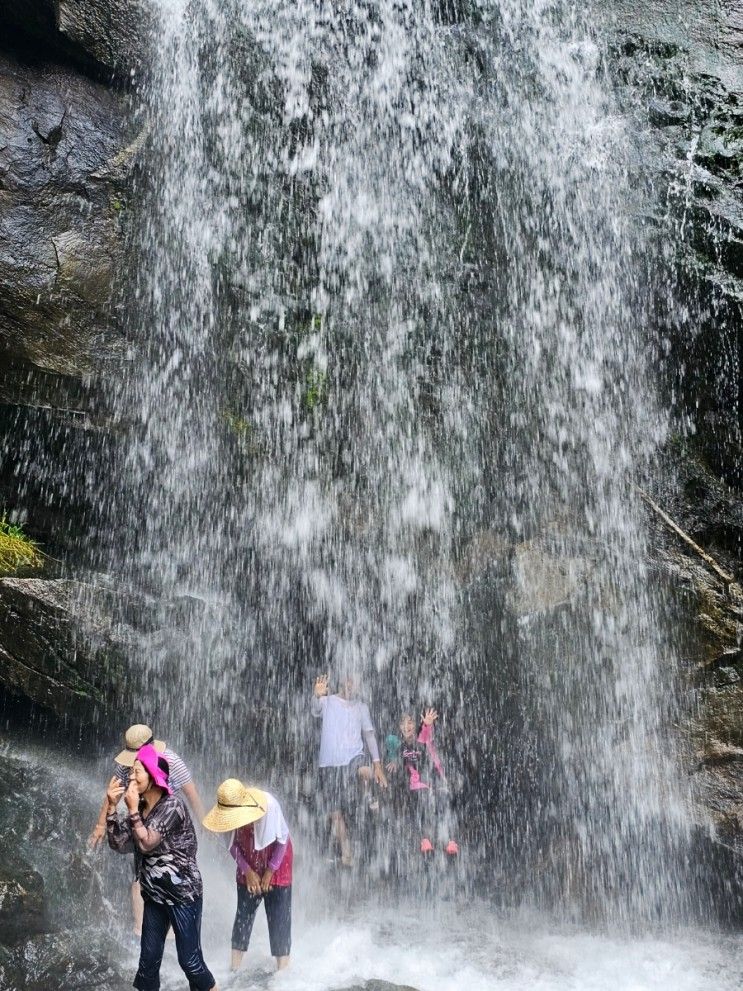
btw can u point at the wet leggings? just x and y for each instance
(186, 923)
(278, 902)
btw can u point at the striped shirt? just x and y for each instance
(178, 776)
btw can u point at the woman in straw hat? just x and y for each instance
(262, 849)
(179, 779)
(159, 830)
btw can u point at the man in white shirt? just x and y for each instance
(347, 732)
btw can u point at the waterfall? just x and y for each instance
(389, 399)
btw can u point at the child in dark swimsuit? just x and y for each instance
(414, 755)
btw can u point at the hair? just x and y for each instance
(164, 767)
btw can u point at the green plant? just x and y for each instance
(16, 549)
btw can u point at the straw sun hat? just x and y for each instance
(134, 738)
(236, 806)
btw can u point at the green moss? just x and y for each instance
(237, 424)
(16, 549)
(316, 391)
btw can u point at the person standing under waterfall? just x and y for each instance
(426, 798)
(180, 780)
(262, 849)
(160, 833)
(347, 730)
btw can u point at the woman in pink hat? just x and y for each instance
(159, 830)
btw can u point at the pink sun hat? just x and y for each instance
(150, 759)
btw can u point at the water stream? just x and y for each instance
(391, 394)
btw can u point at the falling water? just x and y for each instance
(390, 395)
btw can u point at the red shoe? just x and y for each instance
(426, 845)
(451, 848)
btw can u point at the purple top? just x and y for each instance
(274, 862)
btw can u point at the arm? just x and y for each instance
(99, 830)
(119, 834)
(145, 839)
(239, 857)
(252, 880)
(277, 857)
(426, 738)
(273, 865)
(194, 800)
(370, 739)
(319, 696)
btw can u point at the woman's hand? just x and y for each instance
(321, 686)
(97, 837)
(379, 774)
(429, 717)
(131, 796)
(252, 882)
(266, 880)
(113, 794)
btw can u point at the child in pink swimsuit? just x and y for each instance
(415, 755)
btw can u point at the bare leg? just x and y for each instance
(237, 956)
(137, 908)
(282, 963)
(340, 832)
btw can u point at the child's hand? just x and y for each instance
(391, 767)
(253, 882)
(266, 880)
(321, 686)
(429, 717)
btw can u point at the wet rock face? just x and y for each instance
(108, 37)
(60, 645)
(61, 199)
(50, 930)
(21, 902)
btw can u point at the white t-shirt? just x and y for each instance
(344, 724)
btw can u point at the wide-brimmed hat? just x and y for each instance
(155, 765)
(135, 737)
(236, 806)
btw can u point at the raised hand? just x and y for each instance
(321, 686)
(131, 796)
(114, 793)
(429, 717)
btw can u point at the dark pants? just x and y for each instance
(278, 902)
(186, 923)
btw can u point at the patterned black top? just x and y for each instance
(167, 872)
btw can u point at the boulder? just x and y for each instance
(110, 38)
(62, 645)
(22, 912)
(66, 154)
(76, 961)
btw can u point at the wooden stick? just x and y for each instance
(707, 558)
